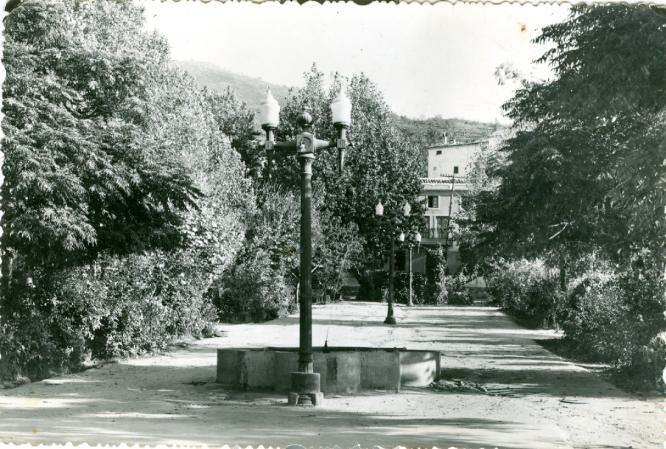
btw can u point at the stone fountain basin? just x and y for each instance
(342, 369)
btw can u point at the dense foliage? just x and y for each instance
(83, 169)
(261, 283)
(123, 197)
(528, 289)
(585, 167)
(583, 175)
(436, 290)
(347, 234)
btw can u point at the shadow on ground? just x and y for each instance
(173, 398)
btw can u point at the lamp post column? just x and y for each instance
(305, 346)
(305, 383)
(411, 302)
(390, 319)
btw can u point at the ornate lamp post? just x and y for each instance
(406, 209)
(414, 238)
(390, 319)
(305, 383)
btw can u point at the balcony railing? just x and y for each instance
(435, 234)
(444, 180)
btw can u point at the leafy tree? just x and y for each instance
(214, 230)
(338, 248)
(145, 196)
(585, 176)
(84, 171)
(236, 120)
(381, 165)
(585, 168)
(482, 181)
(260, 284)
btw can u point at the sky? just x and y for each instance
(427, 60)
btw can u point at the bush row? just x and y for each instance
(608, 314)
(117, 307)
(436, 286)
(527, 289)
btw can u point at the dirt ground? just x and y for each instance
(534, 399)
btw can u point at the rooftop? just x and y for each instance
(457, 144)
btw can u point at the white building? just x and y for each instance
(448, 166)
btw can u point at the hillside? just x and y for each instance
(248, 89)
(433, 130)
(252, 90)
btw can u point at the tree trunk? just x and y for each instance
(563, 273)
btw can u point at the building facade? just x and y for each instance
(448, 166)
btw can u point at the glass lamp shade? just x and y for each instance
(341, 109)
(401, 237)
(269, 111)
(379, 209)
(417, 237)
(406, 209)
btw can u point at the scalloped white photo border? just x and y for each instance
(69, 445)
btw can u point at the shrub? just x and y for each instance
(260, 285)
(373, 284)
(116, 307)
(253, 291)
(436, 291)
(459, 293)
(527, 289)
(594, 317)
(648, 364)
(402, 288)
(616, 317)
(337, 248)
(28, 347)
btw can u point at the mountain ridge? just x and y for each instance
(251, 90)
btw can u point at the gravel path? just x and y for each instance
(533, 399)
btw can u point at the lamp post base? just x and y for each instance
(305, 389)
(310, 399)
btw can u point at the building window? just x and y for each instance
(438, 228)
(442, 224)
(455, 169)
(433, 202)
(439, 152)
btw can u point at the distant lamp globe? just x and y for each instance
(417, 237)
(379, 209)
(406, 209)
(341, 109)
(269, 111)
(401, 237)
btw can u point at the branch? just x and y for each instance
(558, 232)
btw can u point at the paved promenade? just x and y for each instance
(533, 400)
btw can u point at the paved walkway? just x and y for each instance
(534, 400)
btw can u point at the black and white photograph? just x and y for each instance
(348, 225)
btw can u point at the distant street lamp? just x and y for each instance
(390, 318)
(305, 383)
(406, 210)
(416, 237)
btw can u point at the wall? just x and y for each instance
(460, 155)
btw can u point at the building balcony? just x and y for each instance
(434, 236)
(445, 179)
(444, 184)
